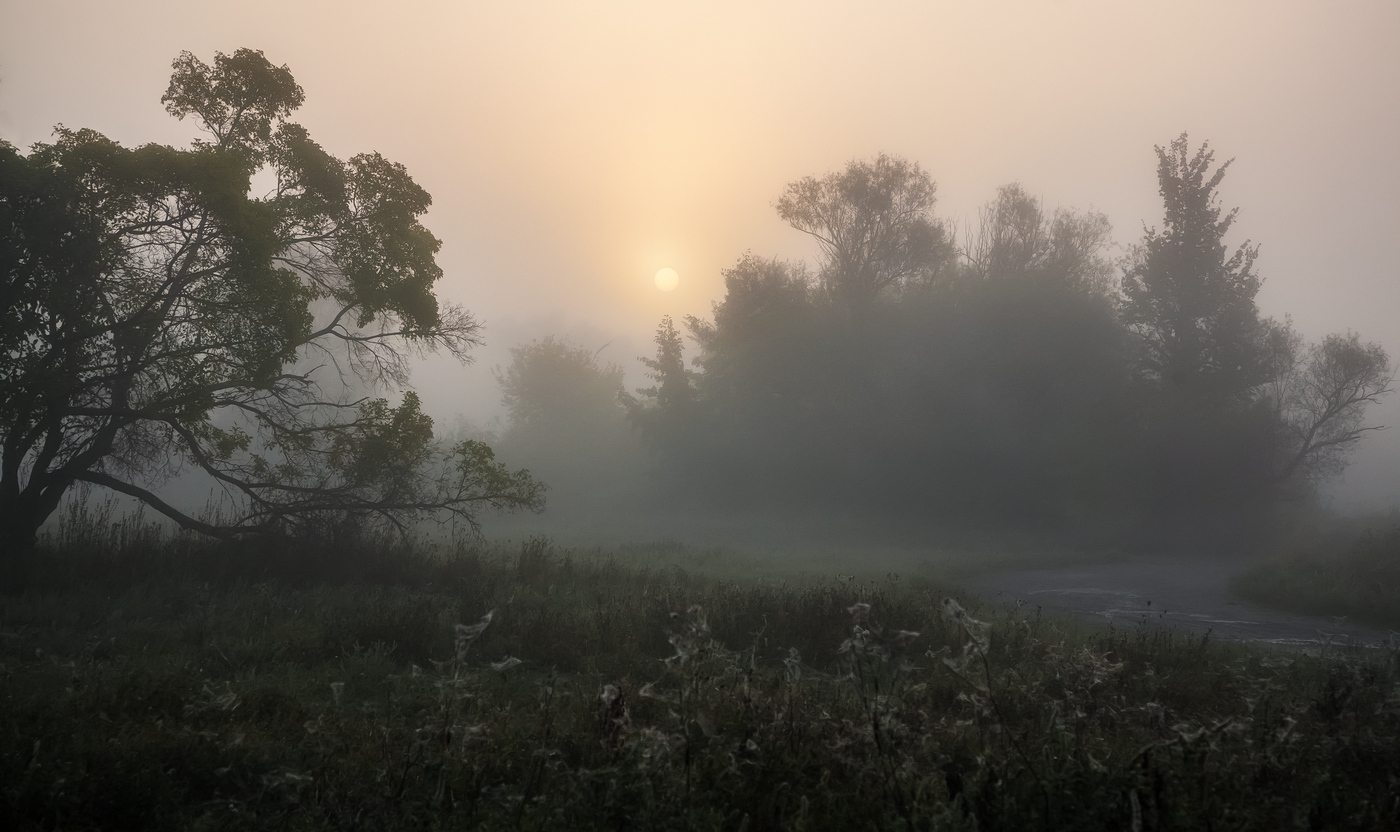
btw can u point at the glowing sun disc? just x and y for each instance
(667, 279)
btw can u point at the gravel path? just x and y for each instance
(1191, 595)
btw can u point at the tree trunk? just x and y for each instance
(19, 530)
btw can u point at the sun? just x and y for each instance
(667, 279)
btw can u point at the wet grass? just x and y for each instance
(177, 685)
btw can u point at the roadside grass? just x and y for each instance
(1360, 580)
(175, 684)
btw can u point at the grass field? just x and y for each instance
(1359, 579)
(179, 685)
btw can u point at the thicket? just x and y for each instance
(192, 685)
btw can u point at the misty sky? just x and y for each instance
(573, 149)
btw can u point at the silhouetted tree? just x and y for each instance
(1235, 407)
(874, 223)
(664, 407)
(765, 301)
(1188, 298)
(553, 384)
(569, 425)
(989, 398)
(1320, 401)
(157, 315)
(1017, 239)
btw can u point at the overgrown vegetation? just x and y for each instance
(188, 684)
(1361, 580)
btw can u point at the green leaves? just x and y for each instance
(311, 183)
(156, 310)
(384, 445)
(386, 255)
(237, 99)
(473, 470)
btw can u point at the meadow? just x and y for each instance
(367, 683)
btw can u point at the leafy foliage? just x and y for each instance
(161, 316)
(667, 405)
(1187, 296)
(550, 383)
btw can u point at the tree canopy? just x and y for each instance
(1188, 297)
(1018, 240)
(158, 316)
(874, 223)
(551, 384)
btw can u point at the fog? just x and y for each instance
(573, 151)
(797, 414)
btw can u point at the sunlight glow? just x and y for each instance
(667, 279)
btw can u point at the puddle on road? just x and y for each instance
(1192, 597)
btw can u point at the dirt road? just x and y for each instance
(1192, 595)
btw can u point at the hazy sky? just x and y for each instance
(573, 149)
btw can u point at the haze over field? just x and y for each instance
(572, 151)
(953, 414)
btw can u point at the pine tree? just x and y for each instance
(673, 396)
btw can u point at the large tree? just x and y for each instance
(1188, 296)
(158, 315)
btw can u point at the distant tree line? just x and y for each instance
(1021, 377)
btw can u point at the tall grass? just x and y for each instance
(291, 685)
